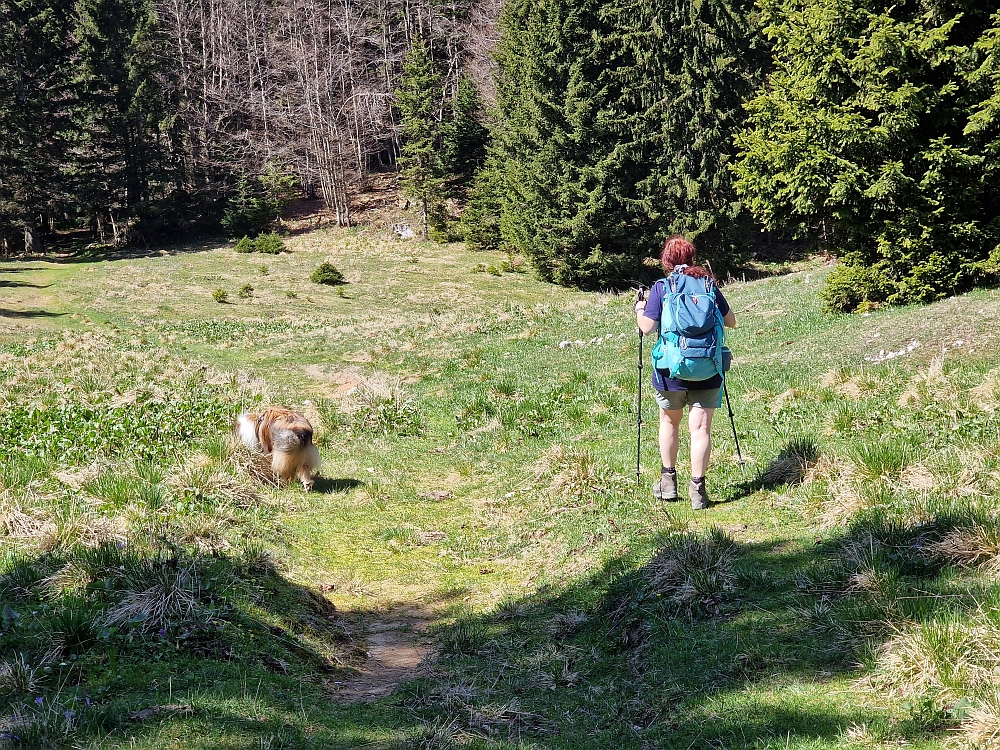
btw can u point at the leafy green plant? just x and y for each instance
(379, 404)
(856, 288)
(245, 292)
(220, 295)
(327, 273)
(244, 245)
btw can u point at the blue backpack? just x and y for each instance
(692, 335)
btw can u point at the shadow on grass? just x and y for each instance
(21, 284)
(132, 252)
(787, 469)
(329, 486)
(616, 659)
(149, 627)
(6, 313)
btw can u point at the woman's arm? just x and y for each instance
(646, 325)
(729, 319)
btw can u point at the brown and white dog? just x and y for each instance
(285, 435)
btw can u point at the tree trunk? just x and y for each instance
(32, 240)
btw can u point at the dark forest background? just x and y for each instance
(577, 134)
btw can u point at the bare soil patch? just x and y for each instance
(399, 650)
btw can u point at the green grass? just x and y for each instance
(154, 594)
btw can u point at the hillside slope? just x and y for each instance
(478, 434)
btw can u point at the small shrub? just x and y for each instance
(291, 295)
(245, 245)
(269, 244)
(221, 296)
(250, 209)
(263, 269)
(327, 273)
(856, 288)
(245, 292)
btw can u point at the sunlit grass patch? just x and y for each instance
(380, 405)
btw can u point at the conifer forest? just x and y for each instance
(574, 133)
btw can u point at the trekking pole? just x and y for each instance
(638, 405)
(732, 421)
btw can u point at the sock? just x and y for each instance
(665, 470)
(698, 480)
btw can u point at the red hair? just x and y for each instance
(678, 251)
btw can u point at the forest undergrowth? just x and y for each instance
(478, 435)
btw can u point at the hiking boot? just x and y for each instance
(699, 495)
(666, 488)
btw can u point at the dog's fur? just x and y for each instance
(285, 435)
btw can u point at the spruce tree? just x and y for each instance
(417, 97)
(120, 145)
(37, 103)
(463, 136)
(614, 126)
(862, 141)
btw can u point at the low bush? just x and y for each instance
(220, 295)
(327, 273)
(246, 292)
(269, 244)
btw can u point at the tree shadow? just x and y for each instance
(132, 252)
(4, 284)
(6, 313)
(242, 620)
(620, 659)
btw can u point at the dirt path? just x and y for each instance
(399, 650)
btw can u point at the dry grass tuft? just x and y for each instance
(969, 546)
(253, 466)
(200, 479)
(573, 472)
(929, 384)
(916, 476)
(843, 501)
(981, 728)
(936, 654)
(986, 395)
(783, 398)
(852, 388)
(163, 594)
(18, 520)
(18, 677)
(381, 404)
(791, 465)
(566, 624)
(694, 569)
(833, 378)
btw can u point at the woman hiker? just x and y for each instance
(702, 397)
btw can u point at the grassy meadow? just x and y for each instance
(478, 498)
